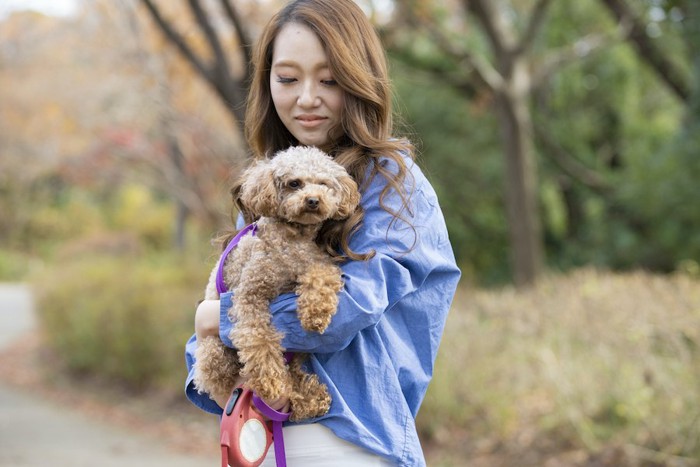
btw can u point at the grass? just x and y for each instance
(583, 366)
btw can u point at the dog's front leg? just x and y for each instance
(318, 289)
(259, 344)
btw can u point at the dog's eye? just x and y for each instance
(294, 184)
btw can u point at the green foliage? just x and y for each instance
(458, 151)
(71, 214)
(665, 197)
(122, 318)
(14, 266)
(137, 209)
(62, 215)
(584, 361)
(609, 115)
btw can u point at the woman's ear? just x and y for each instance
(350, 197)
(258, 193)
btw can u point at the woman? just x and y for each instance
(320, 78)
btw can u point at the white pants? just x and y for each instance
(315, 445)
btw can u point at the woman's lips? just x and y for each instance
(310, 121)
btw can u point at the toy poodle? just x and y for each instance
(291, 195)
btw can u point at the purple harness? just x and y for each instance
(220, 284)
(276, 417)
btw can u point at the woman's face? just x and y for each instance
(305, 94)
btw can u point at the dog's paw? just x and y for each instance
(315, 315)
(311, 400)
(268, 388)
(315, 322)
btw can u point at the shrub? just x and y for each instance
(588, 361)
(122, 318)
(14, 266)
(137, 209)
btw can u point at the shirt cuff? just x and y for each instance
(285, 303)
(225, 323)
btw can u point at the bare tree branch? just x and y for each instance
(244, 40)
(570, 165)
(174, 37)
(533, 27)
(649, 51)
(455, 78)
(499, 33)
(581, 48)
(485, 74)
(218, 73)
(220, 62)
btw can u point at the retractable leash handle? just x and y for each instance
(245, 435)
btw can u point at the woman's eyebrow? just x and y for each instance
(285, 64)
(292, 64)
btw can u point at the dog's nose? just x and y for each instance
(312, 203)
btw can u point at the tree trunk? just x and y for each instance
(521, 193)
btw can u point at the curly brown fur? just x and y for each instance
(292, 195)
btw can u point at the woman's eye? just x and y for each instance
(285, 80)
(329, 82)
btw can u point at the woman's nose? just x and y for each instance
(308, 96)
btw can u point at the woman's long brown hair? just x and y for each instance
(358, 64)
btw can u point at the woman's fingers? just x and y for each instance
(280, 405)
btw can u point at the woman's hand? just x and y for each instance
(206, 319)
(220, 399)
(280, 405)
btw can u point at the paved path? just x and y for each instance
(37, 433)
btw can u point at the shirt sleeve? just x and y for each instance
(407, 252)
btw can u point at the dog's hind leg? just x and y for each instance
(216, 367)
(310, 398)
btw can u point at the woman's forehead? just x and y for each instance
(297, 44)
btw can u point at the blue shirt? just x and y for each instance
(377, 355)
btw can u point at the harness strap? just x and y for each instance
(220, 284)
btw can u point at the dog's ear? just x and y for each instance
(350, 197)
(258, 193)
(248, 217)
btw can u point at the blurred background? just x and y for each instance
(561, 136)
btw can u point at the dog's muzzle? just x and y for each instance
(312, 203)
